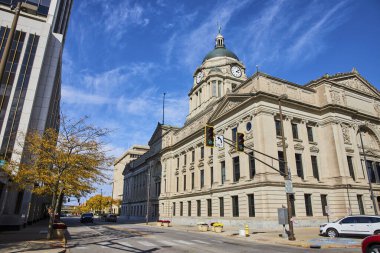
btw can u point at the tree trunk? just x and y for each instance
(60, 202)
(54, 206)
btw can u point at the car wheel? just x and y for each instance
(332, 233)
(373, 249)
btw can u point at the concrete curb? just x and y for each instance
(301, 244)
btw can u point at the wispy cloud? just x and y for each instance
(74, 96)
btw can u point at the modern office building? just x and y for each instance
(30, 93)
(332, 140)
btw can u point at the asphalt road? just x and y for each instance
(111, 237)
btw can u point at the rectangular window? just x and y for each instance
(278, 127)
(212, 175)
(173, 208)
(188, 208)
(202, 152)
(184, 182)
(281, 164)
(184, 160)
(177, 162)
(202, 178)
(252, 166)
(177, 184)
(223, 171)
(209, 208)
(310, 133)
(236, 168)
(214, 88)
(371, 172)
(219, 88)
(234, 131)
(295, 131)
(360, 203)
(192, 156)
(221, 207)
(299, 165)
(20, 196)
(324, 204)
(235, 206)
(211, 152)
(350, 167)
(314, 165)
(181, 208)
(251, 205)
(309, 208)
(198, 208)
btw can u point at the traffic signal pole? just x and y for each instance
(287, 175)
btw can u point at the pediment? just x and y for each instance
(357, 83)
(228, 104)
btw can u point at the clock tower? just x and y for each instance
(221, 72)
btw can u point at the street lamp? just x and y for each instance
(148, 194)
(287, 175)
(28, 8)
(368, 175)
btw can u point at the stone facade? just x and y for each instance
(324, 152)
(118, 179)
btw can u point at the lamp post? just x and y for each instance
(20, 7)
(287, 175)
(348, 196)
(368, 174)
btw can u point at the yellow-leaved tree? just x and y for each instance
(72, 161)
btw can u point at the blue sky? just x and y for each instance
(122, 55)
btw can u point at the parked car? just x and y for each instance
(352, 225)
(110, 217)
(87, 217)
(371, 244)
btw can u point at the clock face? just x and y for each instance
(199, 77)
(236, 71)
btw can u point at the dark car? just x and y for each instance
(371, 244)
(87, 217)
(111, 217)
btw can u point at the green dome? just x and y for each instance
(220, 52)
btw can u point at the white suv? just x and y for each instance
(352, 225)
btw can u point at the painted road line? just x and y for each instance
(199, 241)
(184, 242)
(169, 243)
(125, 244)
(146, 243)
(103, 243)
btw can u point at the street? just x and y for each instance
(110, 237)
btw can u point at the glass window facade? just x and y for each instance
(236, 169)
(308, 205)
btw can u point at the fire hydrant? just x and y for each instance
(246, 230)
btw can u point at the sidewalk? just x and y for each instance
(30, 239)
(305, 237)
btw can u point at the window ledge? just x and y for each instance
(297, 140)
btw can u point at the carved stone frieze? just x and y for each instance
(346, 134)
(314, 149)
(279, 144)
(349, 150)
(299, 146)
(200, 164)
(230, 105)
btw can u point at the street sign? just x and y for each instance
(219, 141)
(288, 186)
(282, 216)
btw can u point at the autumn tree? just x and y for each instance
(70, 161)
(100, 203)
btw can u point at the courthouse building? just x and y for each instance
(30, 93)
(323, 120)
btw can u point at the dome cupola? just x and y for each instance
(220, 49)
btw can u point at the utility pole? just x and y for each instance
(368, 174)
(148, 194)
(111, 198)
(101, 199)
(287, 175)
(8, 45)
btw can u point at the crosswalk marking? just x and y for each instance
(124, 244)
(146, 243)
(184, 242)
(169, 243)
(199, 241)
(103, 243)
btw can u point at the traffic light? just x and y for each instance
(209, 136)
(239, 142)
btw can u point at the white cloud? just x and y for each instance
(74, 96)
